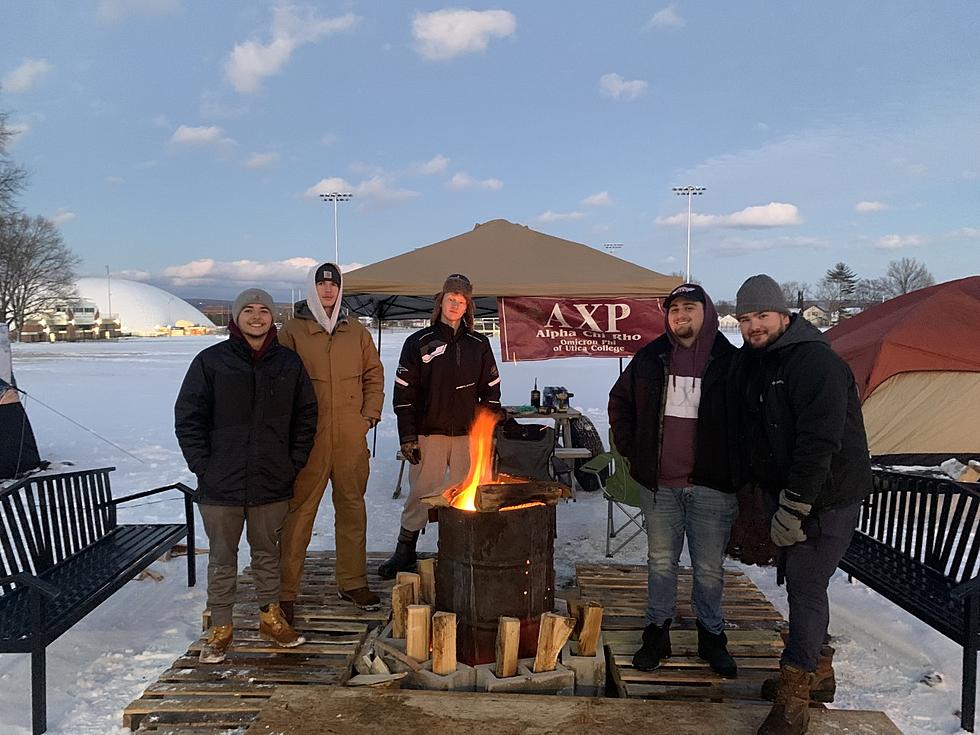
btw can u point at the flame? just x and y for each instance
(463, 496)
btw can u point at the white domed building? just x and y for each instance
(142, 309)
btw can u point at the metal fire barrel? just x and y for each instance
(492, 565)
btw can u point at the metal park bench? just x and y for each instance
(63, 553)
(917, 545)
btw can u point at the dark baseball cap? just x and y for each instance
(686, 291)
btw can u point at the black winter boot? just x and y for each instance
(713, 648)
(656, 646)
(403, 560)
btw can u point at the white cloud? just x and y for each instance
(261, 160)
(133, 275)
(113, 11)
(377, 190)
(210, 135)
(209, 272)
(599, 199)
(739, 246)
(434, 165)
(665, 18)
(965, 232)
(774, 214)
(898, 242)
(550, 216)
(866, 207)
(448, 33)
(24, 76)
(613, 85)
(463, 180)
(63, 216)
(292, 26)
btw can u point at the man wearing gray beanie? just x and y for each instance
(801, 440)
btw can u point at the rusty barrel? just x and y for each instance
(492, 565)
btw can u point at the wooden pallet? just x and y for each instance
(191, 698)
(752, 625)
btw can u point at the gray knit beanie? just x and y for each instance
(250, 296)
(760, 293)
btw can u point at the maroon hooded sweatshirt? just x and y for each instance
(683, 396)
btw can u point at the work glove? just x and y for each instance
(786, 528)
(411, 452)
(372, 422)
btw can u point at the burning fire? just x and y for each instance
(463, 496)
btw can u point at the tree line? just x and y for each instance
(37, 268)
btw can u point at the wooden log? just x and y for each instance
(402, 595)
(413, 579)
(591, 626)
(508, 641)
(427, 571)
(493, 497)
(377, 681)
(417, 632)
(552, 634)
(444, 643)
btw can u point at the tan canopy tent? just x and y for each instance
(916, 359)
(501, 259)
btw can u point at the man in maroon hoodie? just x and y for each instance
(668, 417)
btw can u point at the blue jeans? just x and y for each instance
(705, 516)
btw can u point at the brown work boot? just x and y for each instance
(216, 645)
(790, 715)
(362, 597)
(273, 627)
(824, 685)
(288, 608)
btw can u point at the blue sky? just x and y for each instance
(173, 140)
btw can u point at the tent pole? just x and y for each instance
(374, 447)
(620, 366)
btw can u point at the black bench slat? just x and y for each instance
(917, 543)
(59, 533)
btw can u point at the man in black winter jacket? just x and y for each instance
(802, 439)
(445, 372)
(668, 417)
(245, 419)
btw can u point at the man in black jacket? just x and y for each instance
(802, 440)
(668, 414)
(445, 371)
(245, 419)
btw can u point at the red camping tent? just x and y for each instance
(916, 359)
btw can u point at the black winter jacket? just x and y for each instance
(800, 422)
(245, 428)
(442, 376)
(636, 409)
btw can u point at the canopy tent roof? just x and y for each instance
(501, 259)
(932, 329)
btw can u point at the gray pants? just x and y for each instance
(809, 566)
(223, 524)
(440, 454)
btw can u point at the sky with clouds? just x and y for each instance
(186, 143)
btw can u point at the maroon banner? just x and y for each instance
(533, 328)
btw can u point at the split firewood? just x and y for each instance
(591, 626)
(444, 643)
(427, 573)
(180, 550)
(497, 496)
(362, 664)
(377, 681)
(554, 630)
(402, 595)
(393, 653)
(149, 574)
(418, 632)
(413, 579)
(378, 666)
(508, 642)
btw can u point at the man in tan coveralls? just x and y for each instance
(346, 371)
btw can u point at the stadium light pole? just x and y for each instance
(688, 191)
(335, 197)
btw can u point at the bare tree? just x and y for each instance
(36, 268)
(906, 275)
(12, 177)
(871, 290)
(795, 291)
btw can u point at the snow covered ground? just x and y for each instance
(125, 392)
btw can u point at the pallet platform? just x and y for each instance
(752, 625)
(191, 698)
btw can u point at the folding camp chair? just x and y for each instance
(621, 492)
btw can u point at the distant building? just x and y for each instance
(728, 323)
(816, 315)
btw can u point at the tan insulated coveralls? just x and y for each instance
(349, 382)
